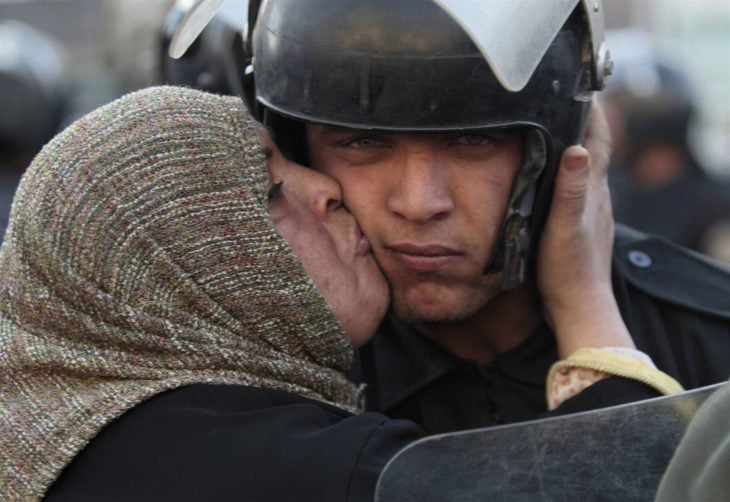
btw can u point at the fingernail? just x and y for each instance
(577, 162)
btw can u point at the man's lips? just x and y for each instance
(424, 257)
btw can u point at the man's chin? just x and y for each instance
(447, 308)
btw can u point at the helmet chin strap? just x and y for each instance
(511, 253)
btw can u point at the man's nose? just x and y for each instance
(421, 193)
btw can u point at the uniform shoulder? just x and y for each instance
(672, 273)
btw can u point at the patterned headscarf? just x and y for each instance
(140, 257)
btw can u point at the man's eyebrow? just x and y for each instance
(334, 128)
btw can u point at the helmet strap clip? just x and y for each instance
(516, 248)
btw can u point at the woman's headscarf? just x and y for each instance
(140, 257)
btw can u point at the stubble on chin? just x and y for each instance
(444, 303)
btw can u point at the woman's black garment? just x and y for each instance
(233, 442)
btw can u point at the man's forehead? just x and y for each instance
(334, 129)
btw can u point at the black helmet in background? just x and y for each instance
(33, 87)
(215, 60)
(432, 66)
(651, 95)
(663, 116)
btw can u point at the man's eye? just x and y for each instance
(473, 140)
(364, 142)
(274, 191)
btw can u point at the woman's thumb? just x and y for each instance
(571, 184)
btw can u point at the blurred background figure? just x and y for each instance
(33, 89)
(658, 184)
(60, 59)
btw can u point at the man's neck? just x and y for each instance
(499, 327)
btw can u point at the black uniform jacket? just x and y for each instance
(230, 442)
(676, 305)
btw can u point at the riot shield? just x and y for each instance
(612, 454)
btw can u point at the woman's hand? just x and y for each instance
(574, 264)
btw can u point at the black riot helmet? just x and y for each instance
(432, 66)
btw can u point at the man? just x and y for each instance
(447, 125)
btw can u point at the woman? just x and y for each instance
(160, 340)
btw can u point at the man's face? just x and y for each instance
(431, 205)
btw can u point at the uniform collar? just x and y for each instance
(405, 361)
